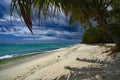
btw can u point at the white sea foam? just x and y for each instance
(6, 56)
(60, 49)
(57, 49)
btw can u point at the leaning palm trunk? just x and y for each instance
(105, 25)
(114, 36)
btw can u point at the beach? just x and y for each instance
(78, 62)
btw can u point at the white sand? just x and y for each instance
(80, 62)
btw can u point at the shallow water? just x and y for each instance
(14, 50)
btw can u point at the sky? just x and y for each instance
(55, 30)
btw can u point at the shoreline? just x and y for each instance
(32, 54)
(63, 64)
(12, 51)
(21, 59)
(10, 62)
(11, 70)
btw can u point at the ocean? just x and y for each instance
(16, 50)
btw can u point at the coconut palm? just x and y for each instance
(105, 12)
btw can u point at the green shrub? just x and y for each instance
(96, 35)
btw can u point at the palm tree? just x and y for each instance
(105, 12)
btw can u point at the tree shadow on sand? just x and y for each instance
(92, 72)
(85, 72)
(93, 61)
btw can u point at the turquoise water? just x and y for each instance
(14, 50)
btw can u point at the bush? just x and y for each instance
(96, 35)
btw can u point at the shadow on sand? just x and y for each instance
(93, 61)
(92, 72)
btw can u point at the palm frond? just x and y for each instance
(78, 10)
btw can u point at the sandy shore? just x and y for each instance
(80, 62)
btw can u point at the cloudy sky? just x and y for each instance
(55, 30)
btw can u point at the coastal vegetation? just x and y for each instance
(96, 35)
(105, 12)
